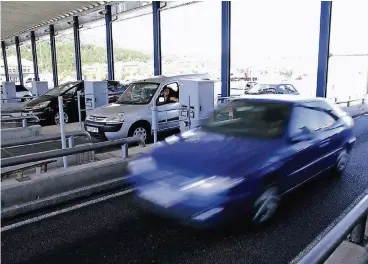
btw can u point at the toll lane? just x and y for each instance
(116, 231)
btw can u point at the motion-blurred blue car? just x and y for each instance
(251, 151)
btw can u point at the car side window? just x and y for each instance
(170, 93)
(312, 119)
(281, 89)
(71, 91)
(290, 89)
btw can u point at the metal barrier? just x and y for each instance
(353, 223)
(13, 161)
(23, 118)
(28, 141)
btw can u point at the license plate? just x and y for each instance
(92, 129)
(162, 196)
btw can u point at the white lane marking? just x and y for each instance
(65, 210)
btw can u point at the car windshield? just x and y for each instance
(62, 88)
(138, 93)
(250, 118)
(260, 87)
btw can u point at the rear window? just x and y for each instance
(250, 118)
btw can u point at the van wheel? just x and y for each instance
(142, 130)
(266, 206)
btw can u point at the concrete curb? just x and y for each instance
(61, 185)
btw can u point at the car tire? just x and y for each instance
(26, 98)
(140, 129)
(57, 118)
(266, 205)
(342, 161)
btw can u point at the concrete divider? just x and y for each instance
(16, 196)
(20, 132)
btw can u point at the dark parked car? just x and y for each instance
(46, 106)
(282, 88)
(250, 153)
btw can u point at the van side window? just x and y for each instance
(170, 93)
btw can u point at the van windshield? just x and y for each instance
(138, 93)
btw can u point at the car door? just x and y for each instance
(70, 102)
(304, 154)
(168, 112)
(330, 130)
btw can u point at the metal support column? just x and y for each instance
(5, 59)
(53, 55)
(157, 59)
(19, 59)
(77, 52)
(34, 55)
(225, 47)
(324, 48)
(109, 44)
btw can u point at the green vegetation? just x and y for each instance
(65, 55)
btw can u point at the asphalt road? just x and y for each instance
(116, 231)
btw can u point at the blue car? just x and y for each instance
(251, 152)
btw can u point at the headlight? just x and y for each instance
(119, 118)
(41, 105)
(142, 165)
(211, 186)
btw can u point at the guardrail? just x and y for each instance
(68, 135)
(13, 161)
(353, 223)
(17, 118)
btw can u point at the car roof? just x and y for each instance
(289, 98)
(163, 79)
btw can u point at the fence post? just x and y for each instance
(79, 111)
(62, 129)
(154, 122)
(24, 122)
(124, 151)
(358, 232)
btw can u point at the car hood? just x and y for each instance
(114, 108)
(38, 100)
(215, 154)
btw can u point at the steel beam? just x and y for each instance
(5, 60)
(77, 52)
(157, 58)
(109, 44)
(324, 48)
(225, 47)
(19, 59)
(34, 55)
(53, 55)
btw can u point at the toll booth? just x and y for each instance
(95, 94)
(39, 88)
(196, 102)
(8, 93)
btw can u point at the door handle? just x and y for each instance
(324, 143)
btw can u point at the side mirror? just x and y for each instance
(161, 99)
(302, 136)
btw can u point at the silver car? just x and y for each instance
(131, 114)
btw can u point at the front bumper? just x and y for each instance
(103, 131)
(207, 215)
(43, 114)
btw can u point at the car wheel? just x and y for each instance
(57, 118)
(266, 206)
(140, 130)
(342, 161)
(26, 99)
